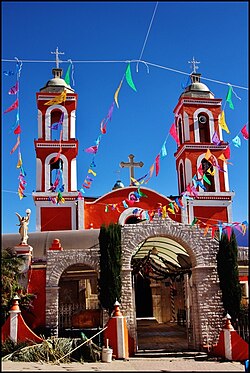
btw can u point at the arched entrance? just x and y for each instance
(191, 266)
(77, 262)
(78, 298)
(161, 268)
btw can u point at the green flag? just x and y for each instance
(206, 179)
(67, 78)
(194, 222)
(129, 78)
(229, 97)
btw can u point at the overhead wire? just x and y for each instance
(127, 61)
(146, 38)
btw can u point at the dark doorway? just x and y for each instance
(143, 297)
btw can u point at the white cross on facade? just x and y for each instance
(57, 59)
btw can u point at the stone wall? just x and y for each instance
(57, 262)
(205, 295)
(207, 309)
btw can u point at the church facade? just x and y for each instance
(168, 254)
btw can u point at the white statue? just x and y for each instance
(23, 223)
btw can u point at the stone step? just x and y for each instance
(197, 355)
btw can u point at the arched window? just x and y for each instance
(181, 173)
(56, 170)
(208, 171)
(203, 122)
(180, 131)
(56, 117)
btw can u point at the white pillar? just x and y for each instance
(14, 311)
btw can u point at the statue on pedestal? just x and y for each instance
(23, 230)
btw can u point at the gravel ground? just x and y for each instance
(133, 364)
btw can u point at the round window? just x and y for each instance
(202, 119)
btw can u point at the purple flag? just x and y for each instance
(14, 89)
(215, 139)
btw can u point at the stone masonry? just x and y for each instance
(207, 309)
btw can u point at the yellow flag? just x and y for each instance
(116, 94)
(171, 210)
(91, 172)
(208, 155)
(134, 181)
(20, 162)
(222, 122)
(211, 172)
(20, 193)
(164, 212)
(224, 159)
(58, 99)
(244, 228)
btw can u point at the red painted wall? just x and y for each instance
(94, 212)
(55, 218)
(37, 282)
(212, 214)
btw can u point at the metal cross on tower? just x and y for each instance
(131, 164)
(193, 62)
(57, 59)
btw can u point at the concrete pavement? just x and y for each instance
(132, 365)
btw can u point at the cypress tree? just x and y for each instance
(110, 265)
(228, 272)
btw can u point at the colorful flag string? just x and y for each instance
(93, 149)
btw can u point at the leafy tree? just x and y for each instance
(10, 283)
(110, 265)
(227, 266)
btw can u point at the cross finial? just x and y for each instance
(131, 164)
(194, 67)
(57, 59)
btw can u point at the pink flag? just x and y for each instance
(244, 132)
(91, 149)
(15, 146)
(157, 164)
(12, 107)
(173, 133)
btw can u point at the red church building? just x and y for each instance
(204, 197)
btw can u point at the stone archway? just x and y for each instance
(57, 263)
(205, 293)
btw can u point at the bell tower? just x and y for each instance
(57, 207)
(201, 156)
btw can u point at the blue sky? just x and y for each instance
(100, 38)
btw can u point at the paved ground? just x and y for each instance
(149, 334)
(152, 335)
(132, 365)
